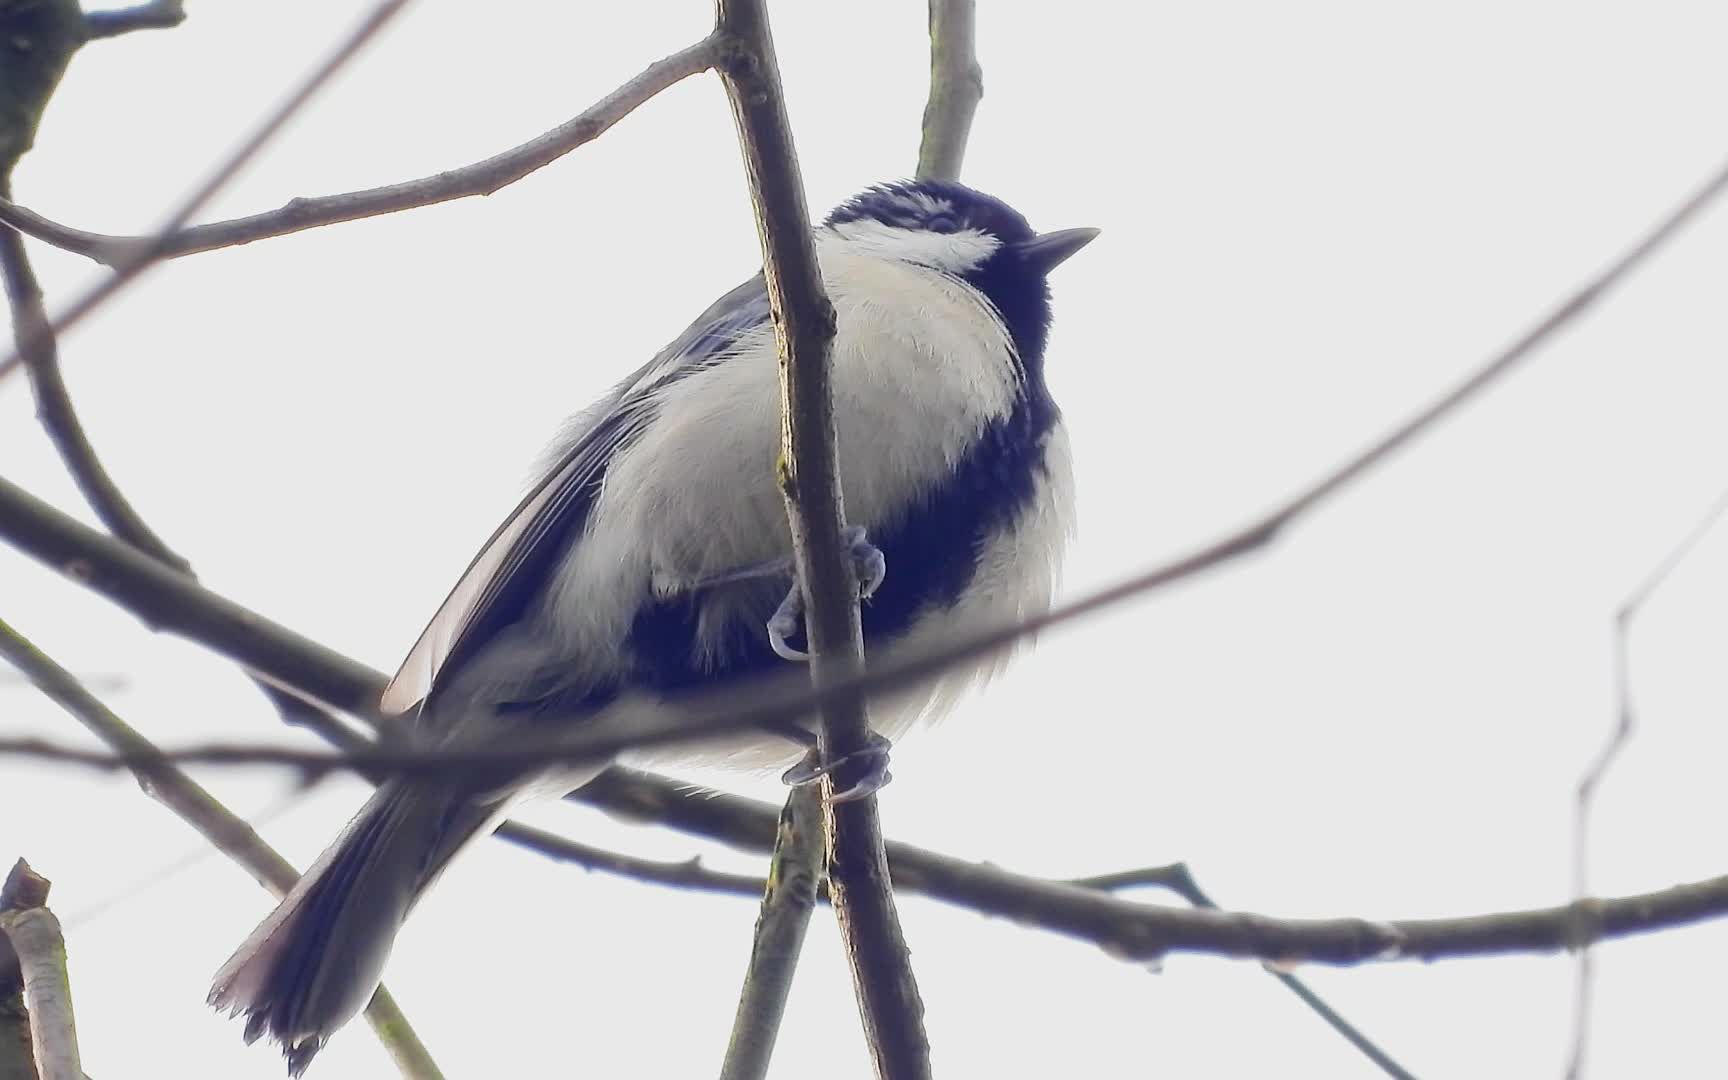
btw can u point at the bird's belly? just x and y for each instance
(1016, 577)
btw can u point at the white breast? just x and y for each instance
(921, 362)
(1018, 574)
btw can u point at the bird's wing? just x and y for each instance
(512, 569)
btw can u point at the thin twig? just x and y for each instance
(156, 15)
(38, 346)
(481, 178)
(682, 874)
(142, 258)
(34, 937)
(809, 473)
(788, 898)
(956, 87)
(1179, 879)
(1625, 725)
(193, 804)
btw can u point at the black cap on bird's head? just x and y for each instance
(975, 237)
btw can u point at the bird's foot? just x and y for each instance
(860, 773)
(868, 563)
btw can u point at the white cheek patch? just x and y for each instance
(955, 252)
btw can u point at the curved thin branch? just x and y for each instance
(481, 178)
(956, 87)
(683, 874)
(1625, 725)
(193, 804)
(38, 347)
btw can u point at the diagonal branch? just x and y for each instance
(142, 258)
(1180, 880)
(956, 87)
(788, 898)
(809, 467)
(194, 804)
(480, 178)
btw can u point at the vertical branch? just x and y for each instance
(956, 87)
(787, 901)
(863, 899)
(34, 934)
(226, 831)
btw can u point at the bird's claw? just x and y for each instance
(868, 563)
(871, 763)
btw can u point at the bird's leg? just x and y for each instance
(867, 561)
(862, 772)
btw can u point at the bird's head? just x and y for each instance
(981, 240)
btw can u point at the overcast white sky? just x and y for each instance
(1315, 217)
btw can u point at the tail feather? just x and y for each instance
(314, 962)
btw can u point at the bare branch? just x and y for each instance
(33, 934)
(956, 87)
(788, 898)
(146, 256)
(173, 602)
(859, 884)
(481, 178)
(156, 15)
(37, 345)
(1179, 879)
(225, 830)
(1625, 724)
(1144, 931)
(683, 874)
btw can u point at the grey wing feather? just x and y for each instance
(511, 569)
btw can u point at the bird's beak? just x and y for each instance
(1046, 251)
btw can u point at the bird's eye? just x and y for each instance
(942, 223)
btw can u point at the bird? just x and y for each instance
(649, 568)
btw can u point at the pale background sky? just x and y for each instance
(1315, 217)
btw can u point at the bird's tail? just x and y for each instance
(314, 962)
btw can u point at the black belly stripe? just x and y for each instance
(932, 552)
